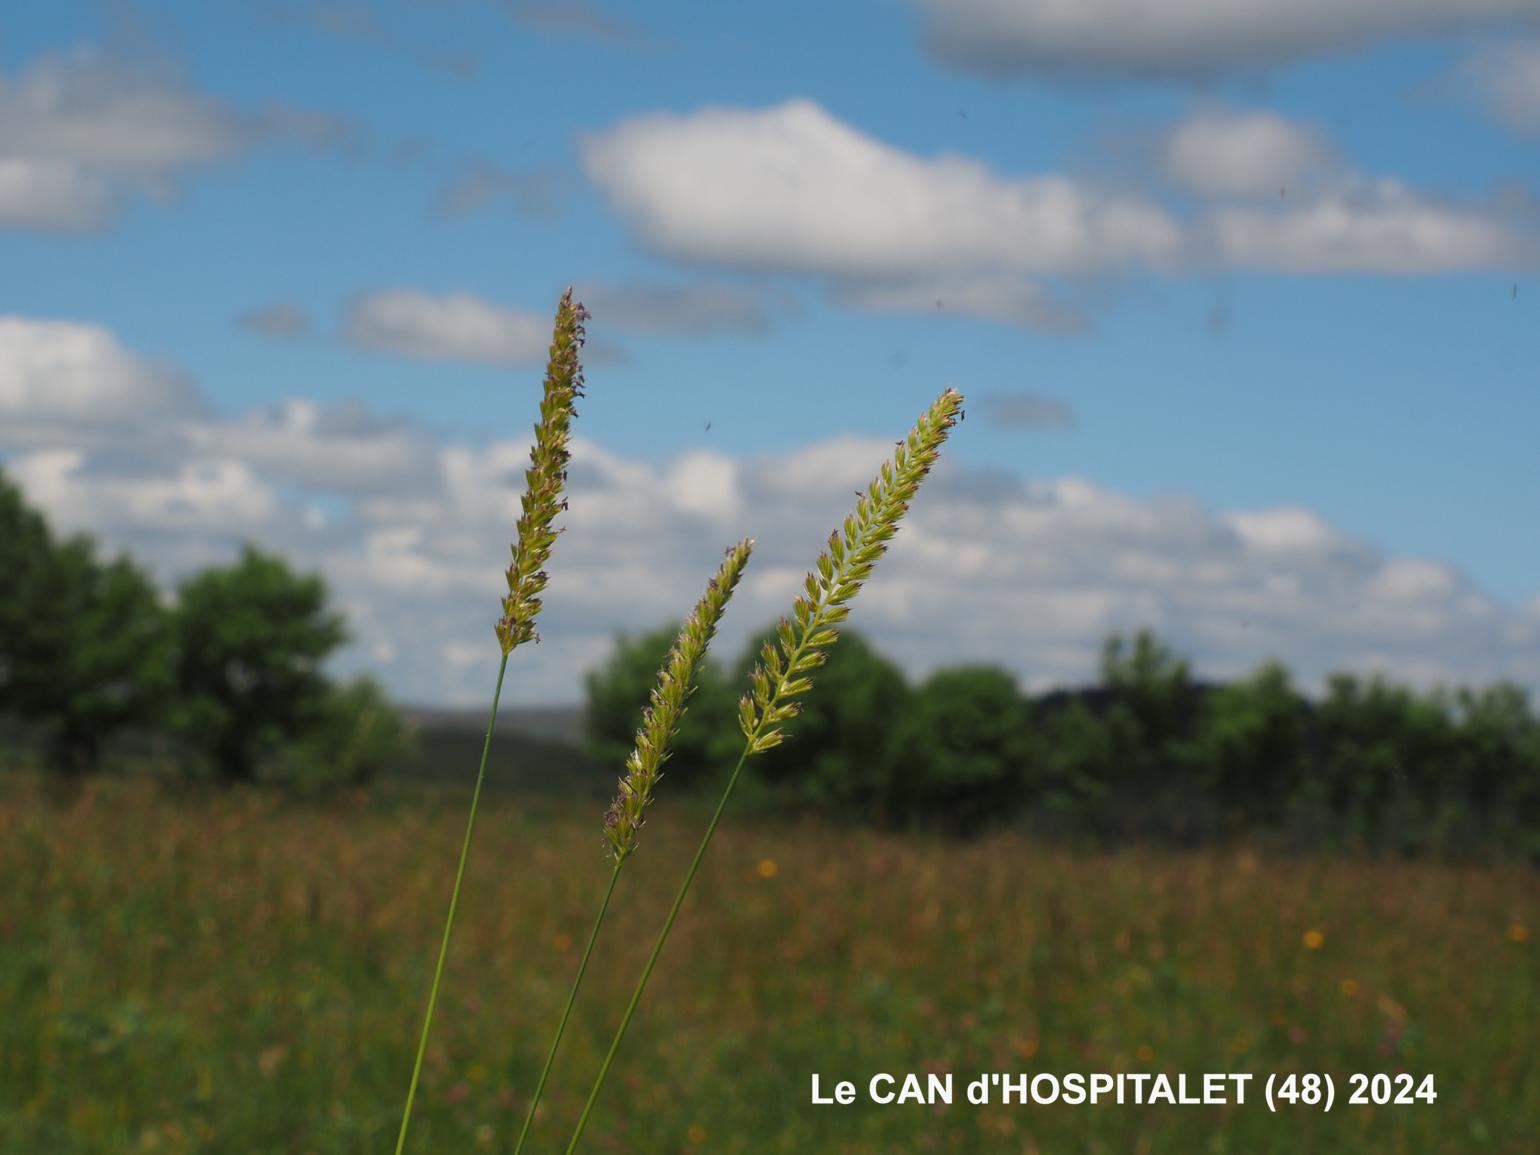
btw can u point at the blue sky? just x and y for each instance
(1243, 297)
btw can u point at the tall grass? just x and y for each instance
(222, 972)
(783, 675)
(542, 501)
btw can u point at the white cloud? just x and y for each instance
(66, 374)
(986, 568)
(343, 448)
(1251, 154)
(792, 189)
(1272, 196)
(1508, 76)
(1366, 227)
(1182, 39)
(452, 327)
(197, 497)
(80, 133)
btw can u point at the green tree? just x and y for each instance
(1152, 712)
(1083, 761)
(843, 750)
(85, 648)
(708, 738)
(1385, 748)
(1250, 751)
(969, 757)
(251, 639)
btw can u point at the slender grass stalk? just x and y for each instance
(660, 722)
(783, 672)
(454, 902)
(546, 477)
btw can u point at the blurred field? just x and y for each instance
(223, 973)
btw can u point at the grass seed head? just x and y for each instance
(660, 720)
(546, 477)
(802, 641)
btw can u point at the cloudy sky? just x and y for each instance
(1243, 296)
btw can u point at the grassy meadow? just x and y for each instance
(222, 972)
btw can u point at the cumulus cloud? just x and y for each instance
(1508, 76)
(341, 449)
(85, 133)
(1378, 226)
(412, 534)
(1270, 194)
(1182, 41)
(451, 327)
(793, 190)
(1247, 154)
(79, 134)
(197, 497)
(67, 375)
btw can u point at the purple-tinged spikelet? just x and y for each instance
(546, 478)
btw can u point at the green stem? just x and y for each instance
(454, 902)
(566, 1013)
(636, 995)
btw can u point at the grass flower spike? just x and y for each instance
(804, 639)
(660, 722)
(785, 666)
(546, 477)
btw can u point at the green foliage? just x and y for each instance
(1250, 751)
(251, 639)
(217, 974)
(85, 648)
(1388, 750)
(1083, 760)
(968, 750)
(843, 749)
(1153, 689)
(354, 735)
(617, 691)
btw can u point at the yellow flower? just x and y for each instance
(1313, 940)
(767, 868)
(1349, 988)
(696, 1134)
(1518, 932)
(1144, 1052)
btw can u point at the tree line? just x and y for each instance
(1148, 752)
(230, 668)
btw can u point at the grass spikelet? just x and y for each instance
(545, 480)
(660, 721)
(801, 646)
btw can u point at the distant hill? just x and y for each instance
(536, 748)
(562, 725)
